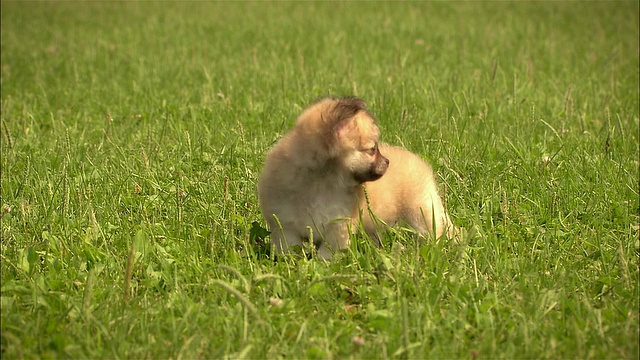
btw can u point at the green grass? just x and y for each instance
(133, 135)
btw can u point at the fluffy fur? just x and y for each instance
(312, 187)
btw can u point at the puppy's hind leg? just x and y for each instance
(429, 218)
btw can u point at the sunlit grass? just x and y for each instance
(133, 135)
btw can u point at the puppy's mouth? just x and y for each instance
(375, 172)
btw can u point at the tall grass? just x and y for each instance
(133, 134)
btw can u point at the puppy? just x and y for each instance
(312, 187)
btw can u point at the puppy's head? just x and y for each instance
(350, 138)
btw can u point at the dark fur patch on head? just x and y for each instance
(336, 114)
(343, 110)
(347, 107)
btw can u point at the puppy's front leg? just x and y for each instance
(283, 240)
(334, 238)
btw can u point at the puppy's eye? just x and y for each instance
(372, 151)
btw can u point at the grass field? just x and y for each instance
(133, 134)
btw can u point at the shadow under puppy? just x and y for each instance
(312, 187)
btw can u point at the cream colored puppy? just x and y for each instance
(312, 185)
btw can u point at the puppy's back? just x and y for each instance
(407, 192)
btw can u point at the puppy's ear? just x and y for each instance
(343, 112)
(343, 127)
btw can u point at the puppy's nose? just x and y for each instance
(383, 164)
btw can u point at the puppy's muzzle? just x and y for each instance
(377, 169)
